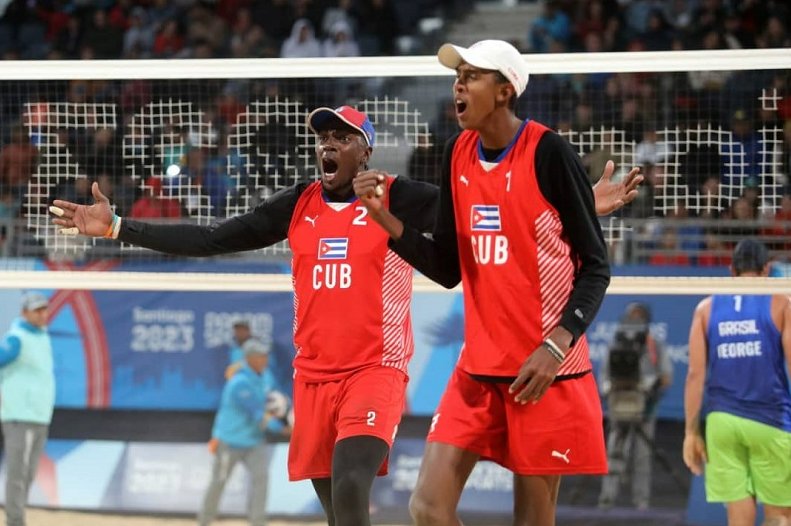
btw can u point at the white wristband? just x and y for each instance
(554, 349)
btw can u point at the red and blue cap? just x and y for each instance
(320, 118)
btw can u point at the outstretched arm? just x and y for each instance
(610, 195)
(263, 226)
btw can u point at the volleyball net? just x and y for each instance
(203, 140)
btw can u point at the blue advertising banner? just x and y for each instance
(168, 350)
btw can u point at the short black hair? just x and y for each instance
(750, 255)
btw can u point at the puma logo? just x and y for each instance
(464, 180)
(563, 456)
(312, 220)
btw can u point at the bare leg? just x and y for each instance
(443, 473)
(323, 489)
(776, 515)
(741, 512)
(535, 499)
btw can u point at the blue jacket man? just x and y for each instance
(247, 405)
(27, 399)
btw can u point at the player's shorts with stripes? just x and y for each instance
(368, 402)
(561, 434)
(745, 459)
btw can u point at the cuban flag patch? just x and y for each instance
(333, 247)
(485, 217)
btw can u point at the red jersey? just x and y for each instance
(351, 292)
(516, 264)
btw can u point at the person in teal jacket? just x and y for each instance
(27, 399)
(248, 406)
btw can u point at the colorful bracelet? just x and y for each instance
(111, 232)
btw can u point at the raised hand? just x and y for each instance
(609, 195)
(93, 220)
(369, 187)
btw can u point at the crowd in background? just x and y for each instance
(720, 176)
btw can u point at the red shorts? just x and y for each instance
(369, 402)
(561, 434)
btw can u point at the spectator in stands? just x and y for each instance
(248, 405)
(551, 24)
(302, 43)
(650, 150)
(221, 164)
(741, 224)
(105, 41)
(741, 155)
(153, 204)
(28, 393)
(69, 38)
(715, 253)
(103, 153)
(657, 35)
(17, 162)
(340, 42)
(276, 17)
(342, 11)
(591, 20)
(380, 27)
(668, 252)
(168, 41)
(139, 37)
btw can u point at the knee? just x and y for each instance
(425, 512)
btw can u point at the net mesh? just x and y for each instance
(710, 139)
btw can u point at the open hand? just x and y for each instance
(92, 220)
(610, 195)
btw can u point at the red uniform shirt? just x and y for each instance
(516, 264)
(351, 292)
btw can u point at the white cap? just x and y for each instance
(496, 55)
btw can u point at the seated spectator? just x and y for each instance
(668, 252)
(139, 38)
(650, 150)
(302, 43)
(342, 12)
(168, 41)
(715, 253)
(153, 204)
(340, 42)
(105, 41)
(552, 24)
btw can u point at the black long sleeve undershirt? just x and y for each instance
(413, 202)
(564, 183)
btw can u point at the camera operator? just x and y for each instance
(633, 376)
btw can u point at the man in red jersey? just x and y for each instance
(350, 378)
(351, 362)
(517, 226)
